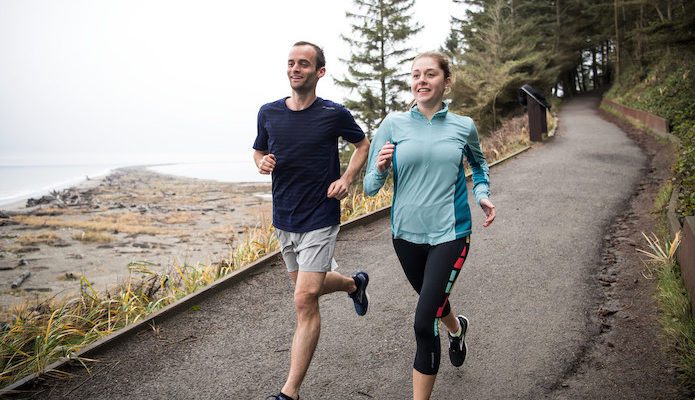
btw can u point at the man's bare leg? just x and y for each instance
(336, 282)
(308, 287)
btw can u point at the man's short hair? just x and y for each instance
(320, 58)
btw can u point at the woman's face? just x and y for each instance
(428, 82)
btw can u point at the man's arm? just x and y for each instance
(357, 161)
(339, 188)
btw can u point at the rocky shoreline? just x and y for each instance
(132, 215)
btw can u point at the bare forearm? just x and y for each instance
(357, 161)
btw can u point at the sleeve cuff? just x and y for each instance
(382, 175)
(481, 192)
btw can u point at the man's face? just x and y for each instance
(301, 69)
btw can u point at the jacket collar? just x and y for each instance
(439, 114)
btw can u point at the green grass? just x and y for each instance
(666, 88)
(674, 304)
(661, 202)
(675, 315)
(663, 197)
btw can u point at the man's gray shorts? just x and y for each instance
(309, 251)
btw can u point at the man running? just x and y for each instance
(297, 143)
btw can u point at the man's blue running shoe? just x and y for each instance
(360, 296)
(280, 396)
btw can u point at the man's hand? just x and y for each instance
(338, 189)
(489, 210)
(266, 165)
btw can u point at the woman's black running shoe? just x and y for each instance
(457, 344)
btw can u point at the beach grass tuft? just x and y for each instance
(176, 218)
(93, 237)
(674, 304)
(46, 237)
(129, 222)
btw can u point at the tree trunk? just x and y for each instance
(383, 62)
(570, 87)
(594, 78)
(579, 73)
(617, 41)
(640, 38)
(607, 72)
(557, 26)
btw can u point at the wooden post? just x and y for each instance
(534, 120)
(686, 258)
(536, 106)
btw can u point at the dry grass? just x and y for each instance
(177, 218)
(258, 242)
(358, 203)
(49, 238)
(132, 223)
(93, 237)
(511, 136)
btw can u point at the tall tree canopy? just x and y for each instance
(501, 52)
(559, 46)
(378, 43)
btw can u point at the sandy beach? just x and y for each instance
(131, 215)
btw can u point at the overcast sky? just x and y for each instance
(108, 81)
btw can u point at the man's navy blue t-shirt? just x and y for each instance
(305, 145)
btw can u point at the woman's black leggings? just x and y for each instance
(432, 271)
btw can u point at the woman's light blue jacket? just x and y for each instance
(430, 199)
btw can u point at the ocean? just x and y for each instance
(20, 182)
(233, 171)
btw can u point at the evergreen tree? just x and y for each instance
(380, 30)
(649, 29)
(575, 45)
(455, 44)
(502, 53)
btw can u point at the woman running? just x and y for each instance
(430, 217)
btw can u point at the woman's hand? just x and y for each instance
(383, 160)
(489, 210)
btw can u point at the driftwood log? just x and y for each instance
(20, 279)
